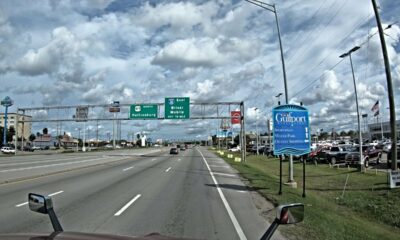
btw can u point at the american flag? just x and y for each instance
(375, 108)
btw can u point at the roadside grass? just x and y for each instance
(366, 210)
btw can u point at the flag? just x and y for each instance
(376, 113)
(375, 107)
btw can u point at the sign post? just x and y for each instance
(81, 115)
(291, 130)
(143, 111)
(394, 178)
(6, 102)
(177, 108)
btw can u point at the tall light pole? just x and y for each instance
(358, 110)
(6, 102)
(272, 8)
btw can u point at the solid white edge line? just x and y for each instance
(224, 174)
(225, 202)
(167, 170)
(127, 205)
(50, 195)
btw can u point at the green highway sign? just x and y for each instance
(177, 108)
(143, 111)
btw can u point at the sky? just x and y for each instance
(72, 52)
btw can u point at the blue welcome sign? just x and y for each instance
(291, 128)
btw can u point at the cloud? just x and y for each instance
(63, 51)
(205, 52)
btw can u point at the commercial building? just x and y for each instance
(375, 130)
(23, 128)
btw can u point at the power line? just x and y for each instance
(360, 23)
(305, 50)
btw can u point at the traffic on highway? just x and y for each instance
(199, 119)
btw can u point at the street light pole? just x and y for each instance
(358, 111)
(272, 8)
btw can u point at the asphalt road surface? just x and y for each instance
(132, 192)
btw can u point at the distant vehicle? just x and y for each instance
(45, 148)
(118, 147)
(235, 149)
(7, 150)
(36, 148)
(109, 146)
(28, 149)
(156, 145)
(182, 148)
(370, 154)
(173, 151)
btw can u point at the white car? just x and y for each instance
(36, 148)
(7, 150)
(235, 149)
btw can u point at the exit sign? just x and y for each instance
(177, 108)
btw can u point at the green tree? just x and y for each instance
(45, 131)
(32, 137)
(343, 133)
(10, 133)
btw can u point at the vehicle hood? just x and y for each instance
(84, 236)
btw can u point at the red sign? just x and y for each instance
(235, 117)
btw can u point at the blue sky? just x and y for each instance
(93, 52)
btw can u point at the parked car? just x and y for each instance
(235, 149)
(36, 148)
(333, 154)
(370, 154)
(173, 151)
(28, 149)
(388, 153)
(7, 150)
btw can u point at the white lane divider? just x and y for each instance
(50, 195)
(179, 160)
(225, 202)
(153, 159)
(126, 169)
(167, 170)
(127, 205)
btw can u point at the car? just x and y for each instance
(235, 149)
(182, 148)
(36, 148)
(370, 154)
(173, 151)
(332, 154)
(7, 150)
(28, 149)
(388, 153)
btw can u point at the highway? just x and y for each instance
(133, 192)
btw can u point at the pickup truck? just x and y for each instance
(332, 155)
(370, 154)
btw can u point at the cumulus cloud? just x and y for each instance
(62, 52)
(205, 52)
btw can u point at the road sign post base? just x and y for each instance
(291, 184)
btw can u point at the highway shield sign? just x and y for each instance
(177, 108)
(143, 111)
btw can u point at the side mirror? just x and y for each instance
(39, 203)
(44, 204)
(285, 214)
(290, 213)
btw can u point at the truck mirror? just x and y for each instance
(290, 213)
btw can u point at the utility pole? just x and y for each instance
(389, 86)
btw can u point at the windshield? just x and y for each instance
(197, 118)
